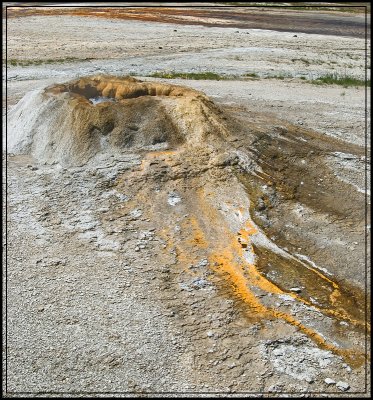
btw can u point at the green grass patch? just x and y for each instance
(279, 76)
(26, 63)
(344, 80)
(191, 75)
(308, 62)
(251, 75)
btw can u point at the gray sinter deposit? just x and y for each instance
(176, 248)
(74, 122)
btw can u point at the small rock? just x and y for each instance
(295, 290)
(200, 283)
(329, 381)
(210, 333)
(137, 248)
(203, 263)
(343, 386)
(261, 204)
(173, 199)
(278, 352)
(275, 388)
(309, 379)
(295, 35)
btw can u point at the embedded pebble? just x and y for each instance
(295, 290)
(343, 386)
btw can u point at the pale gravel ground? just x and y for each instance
(72, 320)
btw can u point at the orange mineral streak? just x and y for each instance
(339, 313)
(244, 238)
(226, 265)
(149, 157)
(228, 261)
(248, 230)
(336, 293)
(241, 275)
(198, 237)
(165, 153)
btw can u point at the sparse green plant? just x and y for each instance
(190, 75)
(307, 62)
(26, 63)
(342, 80)
(304, 61)
(251, 75)
(279, 76)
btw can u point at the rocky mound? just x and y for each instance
(72, 123)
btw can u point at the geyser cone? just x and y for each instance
(73, 122)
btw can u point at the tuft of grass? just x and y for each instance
(303, 60)
(251, 75)
(280, 76)
(308, 62)
(334, 79)
(190, 75)
(26, 63)
(329, 79)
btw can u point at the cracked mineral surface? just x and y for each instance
(182, 237)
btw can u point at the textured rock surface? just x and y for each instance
(62, 123)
